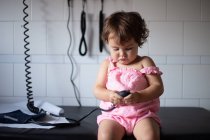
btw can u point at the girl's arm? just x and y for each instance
(100, 90)
(154, 90)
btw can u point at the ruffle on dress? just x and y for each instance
(151, 70)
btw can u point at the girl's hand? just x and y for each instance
(132, 98)
(115, 98)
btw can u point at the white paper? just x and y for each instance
(5, 108)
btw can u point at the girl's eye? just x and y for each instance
(115, 49)
(129, 49)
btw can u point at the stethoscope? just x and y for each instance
(83, 30)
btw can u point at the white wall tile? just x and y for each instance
(37, 38)
(4, 9)
(159, 60)
(196, 38)
(101, 59)
(6, 38)
(38, 75)
(47, 10)
(88, 101)
(92, 38)
(182, 102)
(196, 81)
(58, 82)
(47, 59)
(166, 38)
(92, 10)
(83, 59)
(76, 9)
(111, 6)
(144, 50)
(6, 82)
(172, 80)
(162, 102)
(205, 103)
(52, 100)
(12, 10)
(57, 38)
(205, 60)
(183, 10)
(76, 36)
(12, 99)
(205, 10)
(183, 60)
(70, 101)
(12, 58)
(88, 74)
(19, 37)
(151, 9)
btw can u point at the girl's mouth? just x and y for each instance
(123, 59)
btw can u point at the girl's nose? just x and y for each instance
(122, 53)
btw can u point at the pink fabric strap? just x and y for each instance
(151, 70)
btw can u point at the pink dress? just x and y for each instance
(129, 79)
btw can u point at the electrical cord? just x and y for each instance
(76, 90)
(83, 30)
(72, 122)
(30, 103)
(123, 94)
(101, 20)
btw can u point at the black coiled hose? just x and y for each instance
(30, 103)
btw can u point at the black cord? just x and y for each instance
(101, 22)
(83, 30)
(95, 109)
(72, 122)
(123, 94)
(30, 103)
(76, 90)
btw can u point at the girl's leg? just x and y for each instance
(147, 129)
(110, 130)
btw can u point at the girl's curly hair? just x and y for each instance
(125, 26)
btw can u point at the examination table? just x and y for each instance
(178, 123)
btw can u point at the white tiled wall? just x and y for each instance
(179, 43)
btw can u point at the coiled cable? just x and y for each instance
(30, 103)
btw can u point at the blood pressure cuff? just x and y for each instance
(19, 117)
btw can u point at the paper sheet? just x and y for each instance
(4, 108)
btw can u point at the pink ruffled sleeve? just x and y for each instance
(151, 70)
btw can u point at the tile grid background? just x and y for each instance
(179, 43)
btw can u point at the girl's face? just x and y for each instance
(124, 53)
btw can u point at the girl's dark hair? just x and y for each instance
(125, 26)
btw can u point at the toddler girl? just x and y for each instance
(124, 69)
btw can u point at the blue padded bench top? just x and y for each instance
(178, 123)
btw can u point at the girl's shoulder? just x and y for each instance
(147, 61)
(105, 64)
(148, 66)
